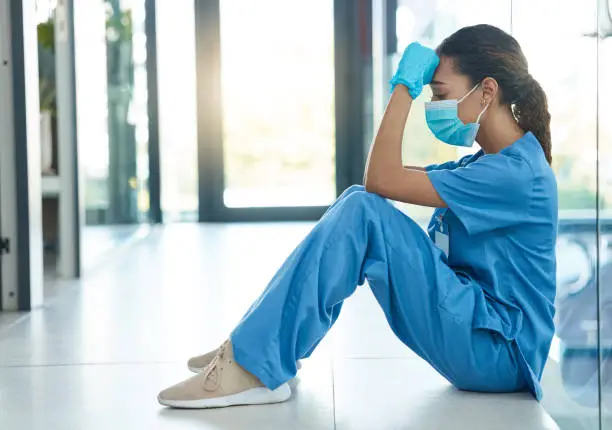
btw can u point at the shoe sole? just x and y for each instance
(200, 369)
(254, 396)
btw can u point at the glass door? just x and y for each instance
(605, 208)
(112, 122)
(571, 379)
(112, 117)
(266, 109)
(277, 77)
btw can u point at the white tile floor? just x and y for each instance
(97, 355)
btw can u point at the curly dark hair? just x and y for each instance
(483, 51)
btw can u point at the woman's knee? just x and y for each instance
(352, 190)
(360, 198)
(356, 200)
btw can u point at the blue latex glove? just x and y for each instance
(416, 68)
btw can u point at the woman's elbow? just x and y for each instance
(371, 185)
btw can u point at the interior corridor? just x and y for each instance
(96, 356)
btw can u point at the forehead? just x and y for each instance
(446, 75)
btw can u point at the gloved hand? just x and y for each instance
(416, 68)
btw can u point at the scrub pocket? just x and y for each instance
(503, 318)
(467, 301)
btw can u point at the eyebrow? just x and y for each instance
(437, 83)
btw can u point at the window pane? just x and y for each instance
(177, 109)
(112, 124)
(278, 102)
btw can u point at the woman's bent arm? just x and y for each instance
(385, 175)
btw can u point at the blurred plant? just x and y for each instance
(46, 34)
(118, 22)
(118, 29)
(46, 66)
(120, 68)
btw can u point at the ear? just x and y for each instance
(490, 90)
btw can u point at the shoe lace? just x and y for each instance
(212, 372)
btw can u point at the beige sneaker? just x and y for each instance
(199, 363)
(222, 383)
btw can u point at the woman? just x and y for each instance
(481, 314)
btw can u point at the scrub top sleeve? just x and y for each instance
(449, 165)
(490, 193)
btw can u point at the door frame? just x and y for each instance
(20, 182)
(353, 118)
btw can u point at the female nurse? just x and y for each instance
(474, 295)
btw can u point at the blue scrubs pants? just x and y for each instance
(364, 237)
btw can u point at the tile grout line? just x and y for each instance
(91, 364)
(164, 362)
(333, 392)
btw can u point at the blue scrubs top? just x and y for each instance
(502, 225)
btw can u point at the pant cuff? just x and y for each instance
(252, 366)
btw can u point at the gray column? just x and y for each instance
(70, 209)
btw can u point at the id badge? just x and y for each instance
(442, 240)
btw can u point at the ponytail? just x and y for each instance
(531, 111)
